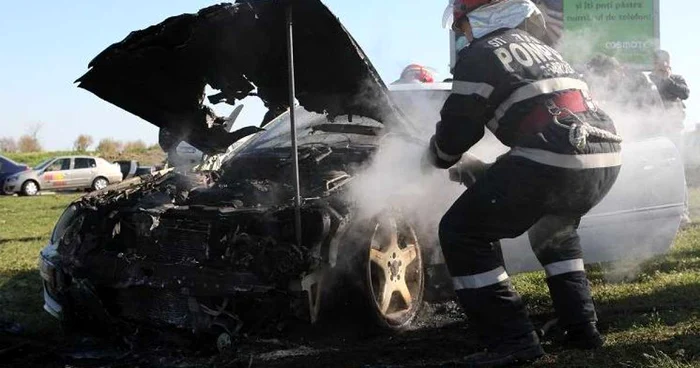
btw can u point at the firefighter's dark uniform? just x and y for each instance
(564, 158)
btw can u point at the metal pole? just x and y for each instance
(292, 97)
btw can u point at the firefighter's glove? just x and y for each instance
(431, 159)
(468, 170)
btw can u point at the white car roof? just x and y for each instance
(400, 87)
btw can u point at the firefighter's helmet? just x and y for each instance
(460, 9)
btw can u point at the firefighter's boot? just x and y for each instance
(514, 351)
(583, 337)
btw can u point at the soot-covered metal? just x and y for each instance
(198, 250)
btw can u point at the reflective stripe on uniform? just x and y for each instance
(589, 161)
(480, 280)
(445, 156)
(543, 87)
(558, 268)
(470, 88)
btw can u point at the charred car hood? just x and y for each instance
(160, 73)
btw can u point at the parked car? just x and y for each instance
(64, 173)
(210, 252)
(132, 168)
(7, 168)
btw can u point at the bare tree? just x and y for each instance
(82, 143)
(28, 143)
(8, 144)
(34, 129)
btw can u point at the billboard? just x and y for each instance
(625, 29)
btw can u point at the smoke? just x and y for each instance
(651, 175)
(396, 180)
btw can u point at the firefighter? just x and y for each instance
(564, 157)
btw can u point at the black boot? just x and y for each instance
(584, 337)
(514, 351)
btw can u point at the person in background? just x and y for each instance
(674, 90)
(623, 91)
(672, 87)
(613, 81)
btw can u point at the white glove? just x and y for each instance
(468, 170)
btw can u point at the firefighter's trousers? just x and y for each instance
(514, 196)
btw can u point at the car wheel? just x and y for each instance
(99, 183)
(30, 188)
(394, 277)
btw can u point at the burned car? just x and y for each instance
(199, 250)
(217, 250)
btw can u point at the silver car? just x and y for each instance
(62, 173)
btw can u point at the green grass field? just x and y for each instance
(651, 320)
(151, 156)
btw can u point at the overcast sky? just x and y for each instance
(46, 45)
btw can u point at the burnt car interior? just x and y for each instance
(215, 250)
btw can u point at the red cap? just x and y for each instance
(418, 73)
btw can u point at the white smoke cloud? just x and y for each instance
(394, 178)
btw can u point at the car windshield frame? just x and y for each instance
(306, 119)
(44, 164)
(277, 133)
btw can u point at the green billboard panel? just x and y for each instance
(579, 29)
(625, 29)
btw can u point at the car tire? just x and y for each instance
(29, 188)
(99, 183)
(387, 272)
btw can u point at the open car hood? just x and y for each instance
(160, 73)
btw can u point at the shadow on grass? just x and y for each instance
(21, 306)
(28, 335)
(25, 239)
(679, 298)
(676, 352)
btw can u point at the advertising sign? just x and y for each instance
(625, 29)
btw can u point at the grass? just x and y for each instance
(25, 226)
(652, 320)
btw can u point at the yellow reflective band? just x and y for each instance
(470, 88)
(590, 161)
(480, 280)
(558, 268)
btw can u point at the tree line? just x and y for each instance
(30, 143)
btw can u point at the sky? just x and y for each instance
(46, 45)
